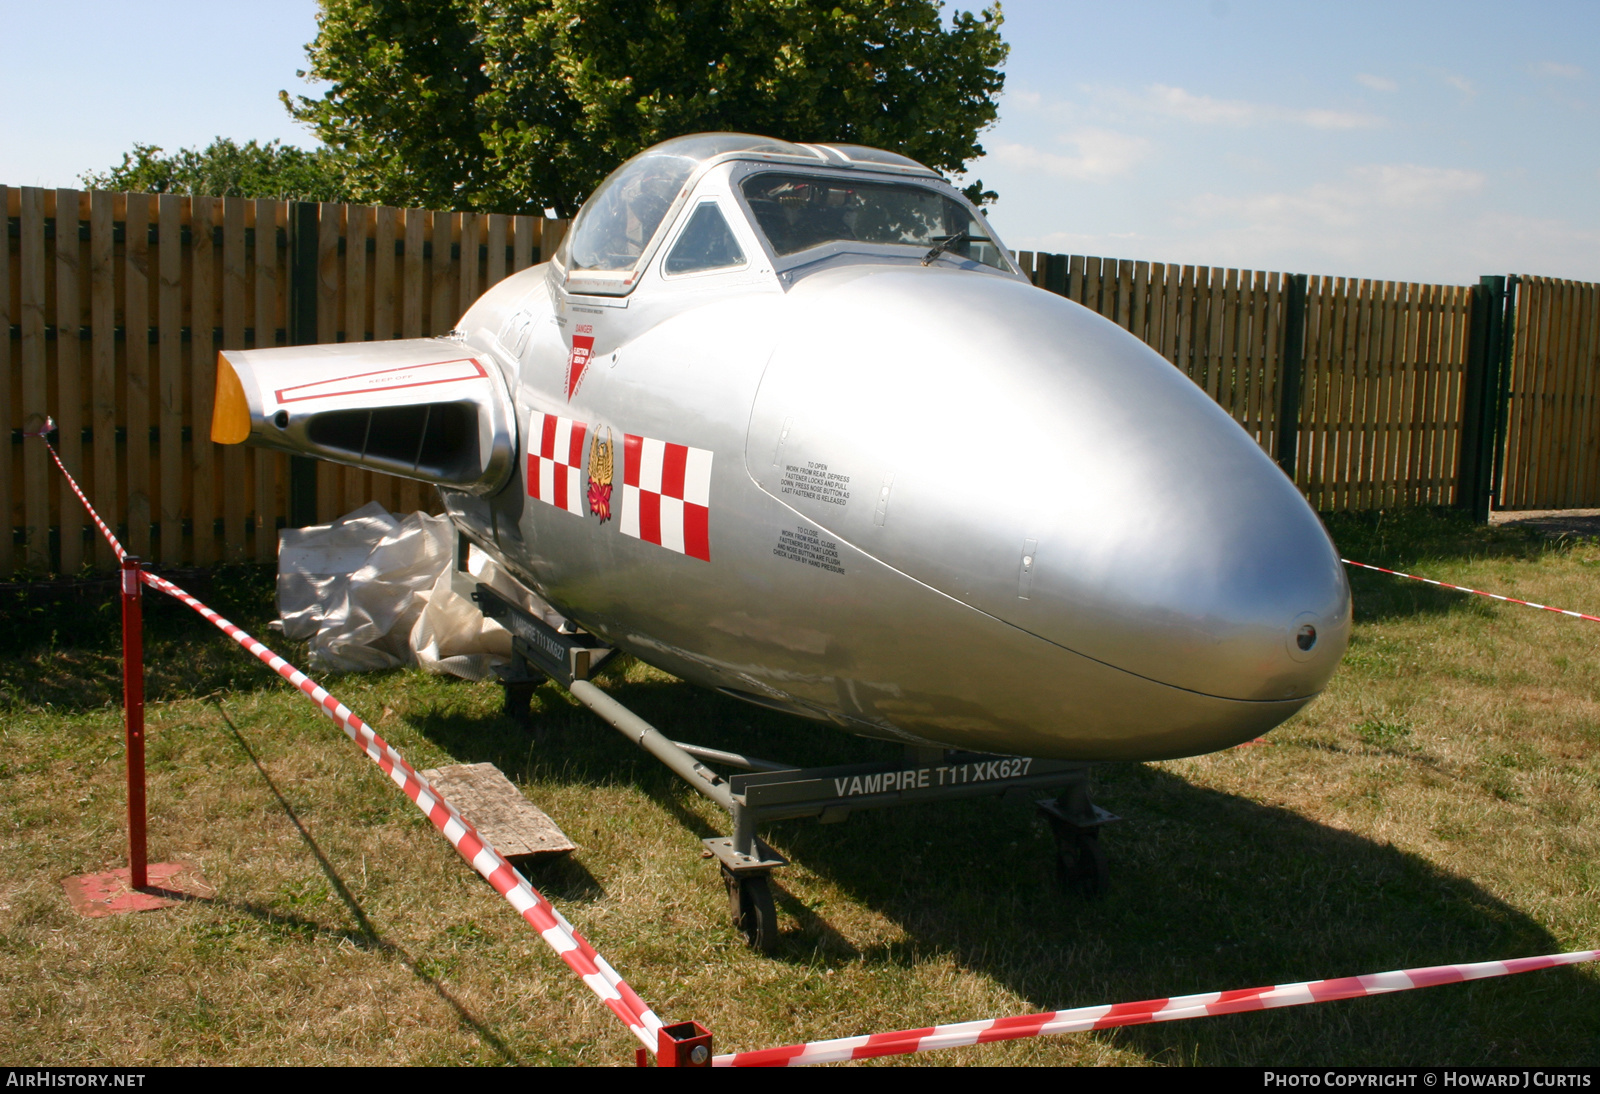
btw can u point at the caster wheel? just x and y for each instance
(755, 916)
(1081, 864)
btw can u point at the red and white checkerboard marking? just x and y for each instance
(666, 495)
(556, 470)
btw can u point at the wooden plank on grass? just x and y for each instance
(235, 299)
(204, 216)
(36, 470)
(170, 374)
(68, 318)
(509, 822)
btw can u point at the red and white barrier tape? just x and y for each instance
(552, 926)
(562, 937)
(50, 427)
(1475, 592)
(1131, 1014)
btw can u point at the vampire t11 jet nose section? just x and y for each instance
(427, 408)
(1018, 453)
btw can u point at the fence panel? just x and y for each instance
(1384, 365)
(114, 305)
(112, 310)
(1552, 456)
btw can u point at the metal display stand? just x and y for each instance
(769, 791)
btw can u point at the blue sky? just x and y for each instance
(1416, 141)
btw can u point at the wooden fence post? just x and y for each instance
(1481, 406)
(303, 229)
(1503, 348)
(1292, 369)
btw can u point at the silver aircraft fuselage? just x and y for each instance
(902, 491)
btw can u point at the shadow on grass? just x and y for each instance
(61, 641)
(366, 934)
(1210, 891)
(1420, 541)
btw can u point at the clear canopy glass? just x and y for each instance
(618, 221)
(799, 211)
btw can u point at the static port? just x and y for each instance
(1306, 637)
(281, 419)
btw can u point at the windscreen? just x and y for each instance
(799, 211)
(616, 223)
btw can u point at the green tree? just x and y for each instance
(228, 169)
(521, 105)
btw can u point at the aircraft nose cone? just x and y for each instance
(1015, 451)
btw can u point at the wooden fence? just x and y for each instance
(1368, 393)
(114, 308)
(1552, 455)
(1380, 378)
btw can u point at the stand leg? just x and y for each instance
(133, 713)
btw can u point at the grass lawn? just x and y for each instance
(1438, 804)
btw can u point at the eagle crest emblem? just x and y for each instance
(600, 475)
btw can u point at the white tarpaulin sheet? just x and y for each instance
(373, 591)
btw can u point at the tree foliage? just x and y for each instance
(521, 105)
(228, 169)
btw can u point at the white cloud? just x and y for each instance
(1175, 102)
(1461, 84)
(1376, 83)
(1098, 154)
(1348, 202)
(1556, 68)
(1397, 221)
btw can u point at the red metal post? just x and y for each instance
(133, 712)
(684, 1044)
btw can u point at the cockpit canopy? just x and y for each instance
(795, 210)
